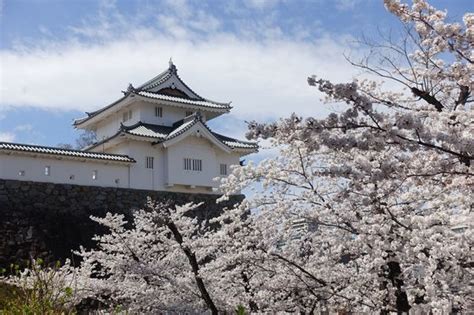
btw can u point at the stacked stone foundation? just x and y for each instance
(49, 221)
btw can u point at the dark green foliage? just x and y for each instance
(42, 293)
(240, 310)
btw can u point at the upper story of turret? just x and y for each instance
(163, 100)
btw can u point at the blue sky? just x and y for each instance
(61, 58)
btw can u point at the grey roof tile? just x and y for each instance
(144, 91)
(163, 133)
(18, 147)
(148, 130)
(204, 102)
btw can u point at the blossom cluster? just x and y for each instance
(367, 210)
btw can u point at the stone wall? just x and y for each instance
(49, 220)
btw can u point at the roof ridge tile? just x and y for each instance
(10, 146)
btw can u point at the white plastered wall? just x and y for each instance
(228, 159)
(140, 176)
(168, 167)
(111, 125)
(170, 114)
(141, 111)
(144, 112)
(63, 171)
(196, 148)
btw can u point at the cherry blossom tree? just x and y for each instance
(356, 212)
(154, 266)
(383, 180)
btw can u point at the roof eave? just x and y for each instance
(207, 133)
(64, 156)
(244, 152)
(251, 150)
(96, 116)
(121, 135)
(184, 105)
(132, 136)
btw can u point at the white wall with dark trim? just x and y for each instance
(167, 174)
(63, 170)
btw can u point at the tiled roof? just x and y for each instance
(17, 147)
(148, 130)
(234, 143)
(181, 129)
(162, 77)
(145, 90)
(165, 75)
(158, 132)
(164, 133)
(205, 103)
(95, 113)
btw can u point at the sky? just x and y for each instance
(60, 58)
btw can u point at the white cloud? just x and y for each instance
(7, 137)
(264, 74)
(262, 78)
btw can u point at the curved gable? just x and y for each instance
(172, 85)
(173, 92)
(197, 130)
